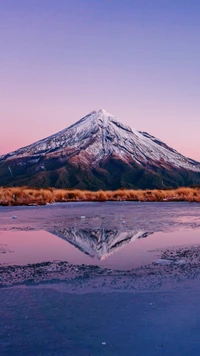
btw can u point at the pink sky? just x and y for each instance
(59, 61)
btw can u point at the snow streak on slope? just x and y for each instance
(99, 243)
(100, 134)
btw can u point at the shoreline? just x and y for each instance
(172, 267)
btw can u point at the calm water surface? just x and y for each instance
(23, 247)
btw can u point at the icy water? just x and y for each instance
(100, 279)
(28, 247)
(112, 235)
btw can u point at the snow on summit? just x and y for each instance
(99, 135)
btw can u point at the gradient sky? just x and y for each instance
(138, 59)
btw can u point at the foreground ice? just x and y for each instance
(134, 215)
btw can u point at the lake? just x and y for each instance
(113, 278)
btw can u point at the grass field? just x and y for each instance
(28, 196)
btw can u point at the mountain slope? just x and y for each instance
(98, 152)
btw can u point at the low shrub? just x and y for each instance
(28, 196)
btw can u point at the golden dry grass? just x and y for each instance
(29, 196)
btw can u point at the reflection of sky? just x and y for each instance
(41, 246)
(137, 59)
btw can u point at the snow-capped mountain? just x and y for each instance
(97, 152)
(99, 243)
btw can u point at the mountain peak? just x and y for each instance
(104, 112)
(110, 153)
(101, 115)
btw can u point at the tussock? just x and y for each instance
(28, 196)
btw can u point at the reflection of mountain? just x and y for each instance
(99, 243)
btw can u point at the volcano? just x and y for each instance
(98, 152)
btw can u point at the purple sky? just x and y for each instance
(138, 59)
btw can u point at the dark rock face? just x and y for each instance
(98, 152)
